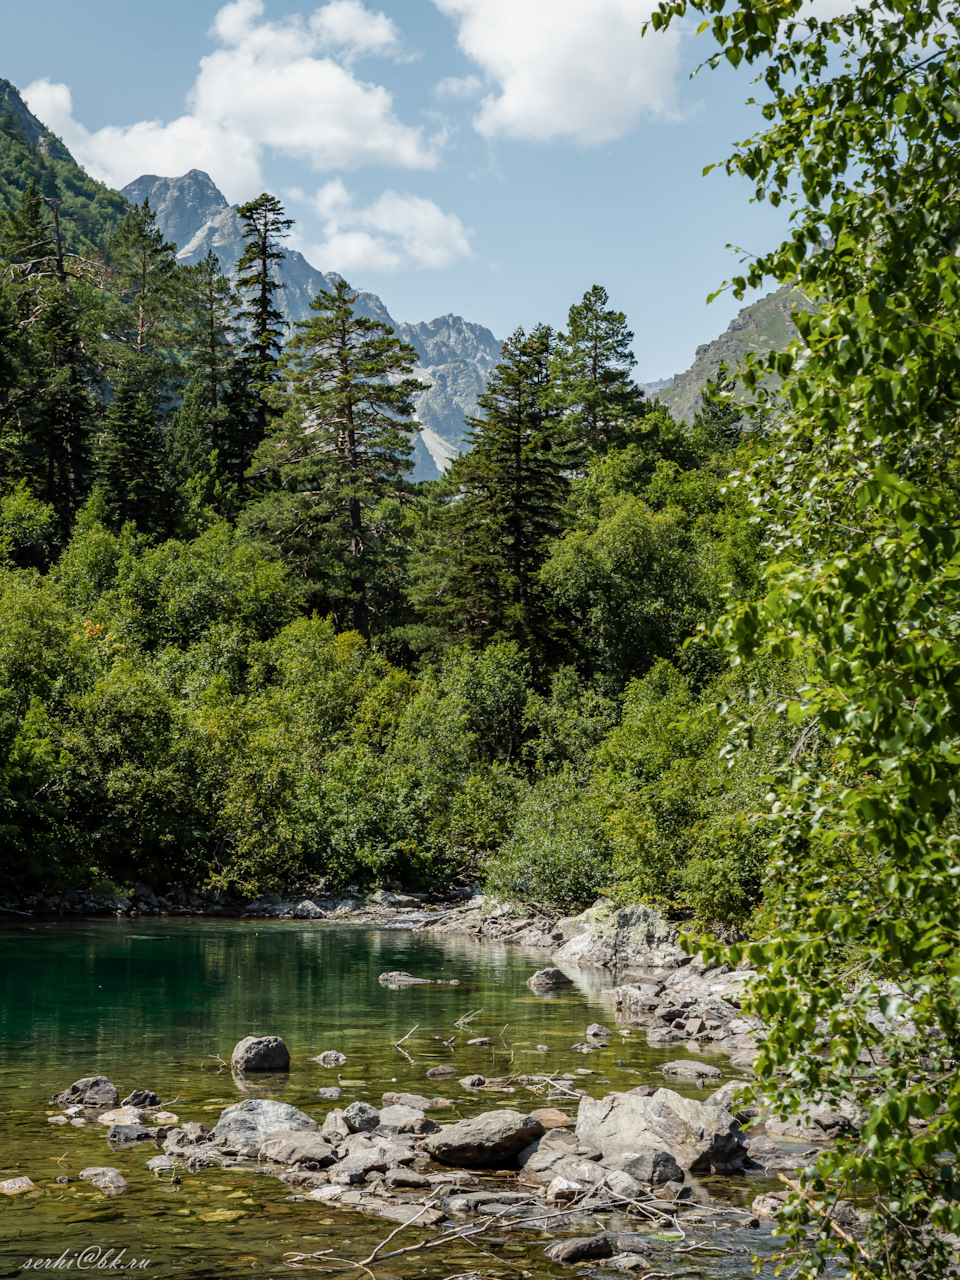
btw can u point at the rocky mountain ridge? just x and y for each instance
(456, 355)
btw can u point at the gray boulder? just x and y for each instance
(252, 1121)
(331, 1058)
(302, 1147)
(489, 1141)
(634, 937)
(651, 1165)
(360, 1117)
(160, 1164)
(91, 1091)
(700, 1138)
(548, 980)
(260, 1053)
(729, 1097)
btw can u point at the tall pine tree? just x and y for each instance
(264, 228)
(480, 578)
(130, 472)
(146, 290)
(593, 360)
(338, 454)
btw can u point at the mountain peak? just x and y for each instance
(183, 205)
(36, 133)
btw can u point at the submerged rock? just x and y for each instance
(260, 1053)
(331, 1058)
(489, 1141)
(687, 1069)
(105, 1178)
(91, 1091)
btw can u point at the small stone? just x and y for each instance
(127, 1133)
(580, 1249)
(480, 1041)
(473, 1082)
(441, 1072)
(563, 1189)
(330, 1094)
(542, 1048)
(165, 1117)
(769, 1206)
(552, 1117)
(630, 1262)
(416, 1101)
(405, 1178)
(16, 1186)
(141, 1098)
(121, 1115)
(160, 1164)
(360, 1117)
(597, 1031)
(399, 978)
(331, 1058)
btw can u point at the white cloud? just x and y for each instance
(347, 24)
(269, 85)
(396, 230)
(576, 69)
(460, 87)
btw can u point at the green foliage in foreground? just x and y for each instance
(859, 981)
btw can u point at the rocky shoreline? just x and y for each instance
(600, 1183)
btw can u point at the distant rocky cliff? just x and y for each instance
(455, 355)
(764, 325)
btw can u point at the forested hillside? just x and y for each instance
(238, 646)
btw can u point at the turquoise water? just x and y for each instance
(154, 1005)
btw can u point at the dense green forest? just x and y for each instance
(239, 647)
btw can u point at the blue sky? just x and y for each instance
(493, 158)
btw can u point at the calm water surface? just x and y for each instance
(154, 1003)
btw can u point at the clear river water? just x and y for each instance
(153, 1003)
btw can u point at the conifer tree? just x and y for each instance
(214, 429)
(55, 320)
(26, 240)
(130, 472)
(593, 360)
(264, 227)
(147, 296)
(338, 454)
(481, 578)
